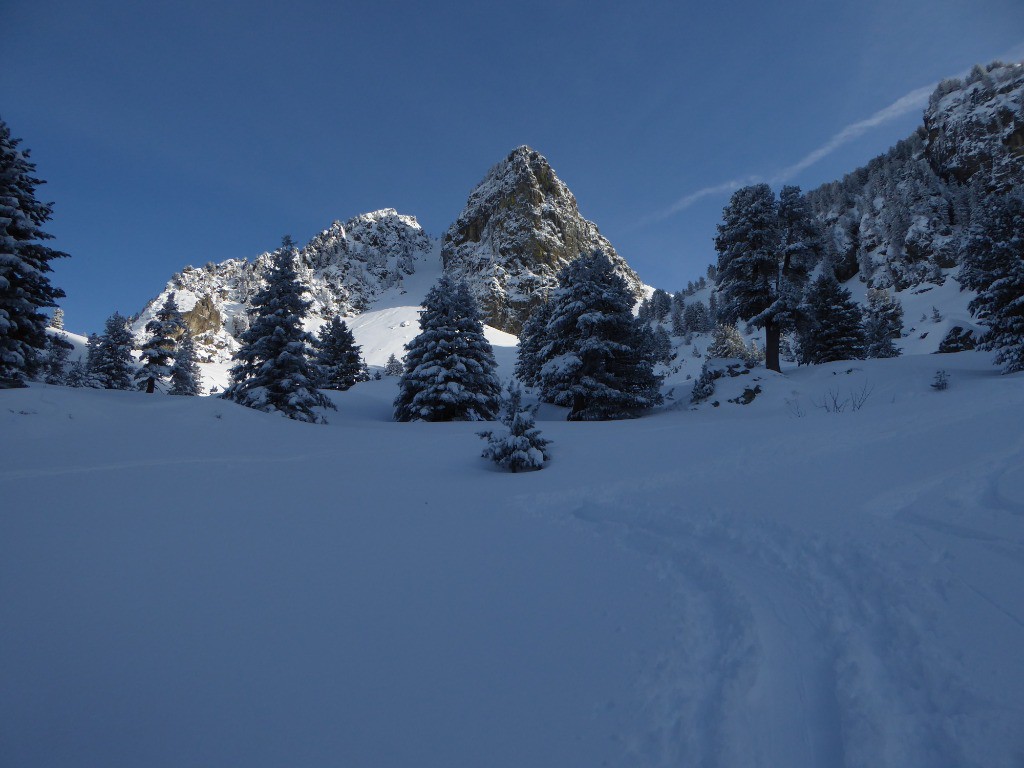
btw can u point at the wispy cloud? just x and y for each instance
(685, 202)
(915, 100)
(911, 102)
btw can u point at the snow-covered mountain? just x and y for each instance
(518, 229)
(344, 269)
(898, 221)
(520, 226)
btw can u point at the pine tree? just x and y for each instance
(55, 361)
(801, 250)
(186, 378)
(159, 350)
(677, 315)
(598, 359)
(521, 448)
(338, 358)
(662, 344)
(830, 325)
(393, 367)
(25, 289)
(696, 317)
(993, 265)
(704, 386)
(727, 343)
(450, 371)
(765, 250)
(111, 361)
(90, 375)
(883, 324)
(532, 340)
(57, 321)
(271, 371)
(661, 305)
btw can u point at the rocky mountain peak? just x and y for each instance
(520, 226)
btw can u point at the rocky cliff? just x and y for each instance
(520, 226)
(899, 221)
(343, 269)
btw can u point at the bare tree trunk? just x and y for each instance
(772, 339)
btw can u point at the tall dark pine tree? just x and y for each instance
(25, 289)
(830, 323)
(598, 359)
(272, 372)
(765, 251)
(801, 250)
(111, 360)
(450, 371)
(186, 379)
(992, 264)
(158, 352)
(338, 358)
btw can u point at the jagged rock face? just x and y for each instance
(977, 124)
(899, 221)
(343, 269)
(520, 226)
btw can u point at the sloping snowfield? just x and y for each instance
(184, 582)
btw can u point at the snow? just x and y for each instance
(770, 584)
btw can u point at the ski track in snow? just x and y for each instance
(797, 651)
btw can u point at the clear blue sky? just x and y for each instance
(179, 133)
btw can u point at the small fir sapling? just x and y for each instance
(521, 448)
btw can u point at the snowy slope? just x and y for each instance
(736, 586)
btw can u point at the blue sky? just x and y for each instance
(180, 133)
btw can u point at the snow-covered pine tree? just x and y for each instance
(726, 342)
(661, 305)
(992, 263)
(272, 372)
(521, 448)
(111, 359)
(25, 289)
(55, 361)
(677, 315)
(57, 321)
(697, 318)
(753, 244)
(704, 386)
(802, 249)
(830, 323)
(90, 376)
(598, 359)
(883, 324)
(393, 367)
(159, 349)
(450, 371)
(77, 375)
(338, 359)
(662, 345)
(532, 341)
(186, 379)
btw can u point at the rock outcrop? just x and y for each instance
(520, 226)
(899, 221)
(343, 269)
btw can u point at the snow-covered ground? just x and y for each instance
(187, 582)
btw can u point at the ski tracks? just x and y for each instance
(790, 650)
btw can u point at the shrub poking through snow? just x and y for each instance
(521, 448)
